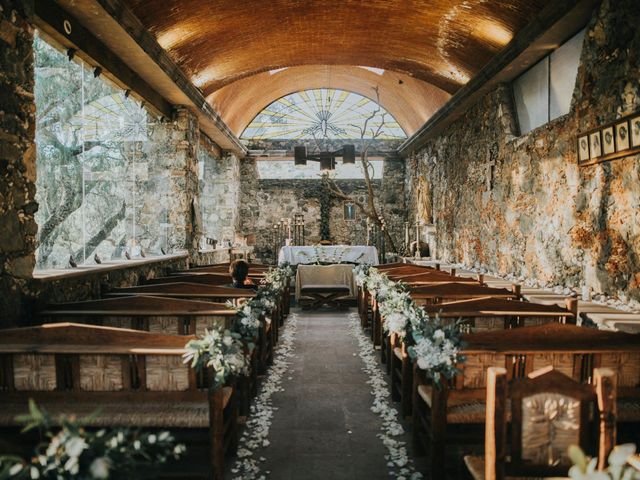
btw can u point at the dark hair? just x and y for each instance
(239, 269)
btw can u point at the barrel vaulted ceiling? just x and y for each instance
(427, 49)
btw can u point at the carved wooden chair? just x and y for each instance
(548, 412)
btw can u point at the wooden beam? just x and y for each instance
(67, 31)
(555, 24)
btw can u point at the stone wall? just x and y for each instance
(520, 204)
(17, 158)
(265, 202)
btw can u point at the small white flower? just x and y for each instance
(99, 468)
(15, 469)
(75, 446)
(34, 473)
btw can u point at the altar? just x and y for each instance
(328, 254)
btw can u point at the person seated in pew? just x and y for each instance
(239, 269)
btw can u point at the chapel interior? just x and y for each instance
(246, 239)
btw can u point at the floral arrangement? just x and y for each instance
(222, 351)
(75, 453)
(434, 345)
(623, 464)
(227, 351)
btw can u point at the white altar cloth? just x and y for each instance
(328, 254)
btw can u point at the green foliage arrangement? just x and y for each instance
(227, 352)
(433, 344)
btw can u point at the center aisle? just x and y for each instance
(323, 426)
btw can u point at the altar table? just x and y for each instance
(328, 254)
(324, 284)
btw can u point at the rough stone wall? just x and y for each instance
(219, 192)
(535, 214)
(265, 202)
(17, 158)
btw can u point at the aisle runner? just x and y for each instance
(256, 430)
(398, 462)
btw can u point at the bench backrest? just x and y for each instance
(83, 358)
(454, 291)
(490, 313)
(572, 350)
(155, 314)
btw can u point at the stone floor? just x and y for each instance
(324, 428)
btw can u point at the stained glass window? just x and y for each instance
(323, 114)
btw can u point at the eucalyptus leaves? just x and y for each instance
(434, 345)
(227, 352)
(75, 453)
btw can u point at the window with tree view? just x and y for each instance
(101, 185)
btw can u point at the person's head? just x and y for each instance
(239, 269)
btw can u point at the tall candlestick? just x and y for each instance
(406, 234)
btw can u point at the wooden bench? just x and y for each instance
(136, 379)
(455, 411)
(219, 279)
(477, 314)
(438, 293)
(166, 315)
(201, 292)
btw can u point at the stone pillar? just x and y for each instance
(17, 159)
(181, 159)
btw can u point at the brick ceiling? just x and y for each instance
(442, 43)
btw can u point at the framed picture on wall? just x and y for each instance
(635, 131)
(622, 136)
(583, 148)
(349, 211)
(608, 141)
(595, 145)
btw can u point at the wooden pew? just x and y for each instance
(212, 293)
(478, 314)
(167, 315)
(155, 314)
(136, 379)
(456, 409)
(435, 294)
(221, 268)
(198, 292)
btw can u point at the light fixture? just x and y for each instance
(327, 159)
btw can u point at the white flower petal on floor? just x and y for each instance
(256, 432)
(397, 457)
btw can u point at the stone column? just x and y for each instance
(181, 159)
(18, 228)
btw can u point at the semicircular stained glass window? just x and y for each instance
(323, 114)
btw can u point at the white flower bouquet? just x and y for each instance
(221, 350)
(437, 348)
(76, 453)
